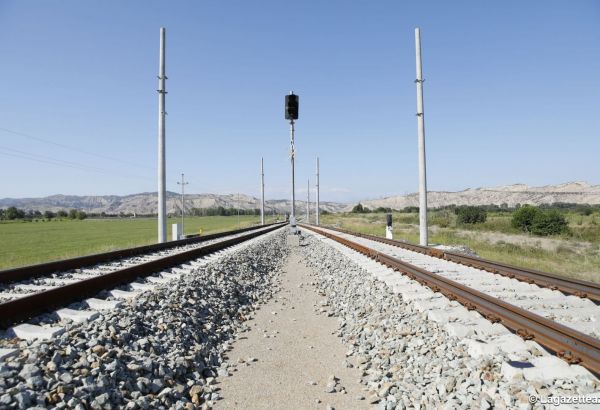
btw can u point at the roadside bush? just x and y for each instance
(549, 223)
(538, 222)
(443, 219)
(523, 217)
(470, 214)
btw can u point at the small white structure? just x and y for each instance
(177, 232)
(389, 233)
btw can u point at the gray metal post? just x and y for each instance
(318, 211)
(162, 178)
(262, 192)
(308, 202)
(183, 184)
(423, 240)
(293, 154)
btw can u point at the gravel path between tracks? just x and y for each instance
(408, 361)
(163, 350)
(292, 357)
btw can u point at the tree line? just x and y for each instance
(542, 221)
(222, 211)
(583, 209)
(13, 213)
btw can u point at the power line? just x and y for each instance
(53, 161)
(22, 134)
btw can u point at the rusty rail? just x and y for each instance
(581, 288)
(569, 344)
(19, 310)
(43, 269)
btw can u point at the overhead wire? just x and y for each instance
(69, 164)
(76, 149)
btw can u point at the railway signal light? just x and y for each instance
(291, 106)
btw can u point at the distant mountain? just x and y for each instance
(572, 192)
(145, 203)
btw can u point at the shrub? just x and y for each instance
(443, 219)
(359, 209)
(549, 223)
(523, 217)
(470, 214)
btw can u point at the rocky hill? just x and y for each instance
(145, 203)
(572, 192)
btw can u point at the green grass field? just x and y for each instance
(26, 243)
(576, 254)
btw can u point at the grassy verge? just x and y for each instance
(568, 259)
(26, 243)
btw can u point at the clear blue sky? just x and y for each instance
(512, 94)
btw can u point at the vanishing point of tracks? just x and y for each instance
(571, 345)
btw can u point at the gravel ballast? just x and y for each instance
(162, 350)
(408, 360)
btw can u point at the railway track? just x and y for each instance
(567, 343)
(33, 290)
(580, 288)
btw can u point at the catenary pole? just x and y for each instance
(308, 202)
(317, 210)
(262, 192)
(423, 240)
(183, 184)
(162, 178)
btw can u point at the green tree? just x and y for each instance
(549, 223)
(523, 217)
(470, 214)
(49, 215)
(73, 214)
(62, 213)
(81, 215)
(358, 209)
(13, 213)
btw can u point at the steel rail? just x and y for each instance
(573, 346)
(43, 269)
(19, 310)
(581, 288)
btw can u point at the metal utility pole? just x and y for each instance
(293, 153)
(423, 240)
(308, 202)
(183, 184)
(262, 192)
(318, 211)
(162, 178)
(291, 114)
